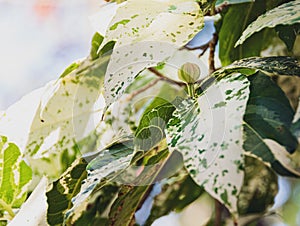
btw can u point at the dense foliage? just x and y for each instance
(148, 123)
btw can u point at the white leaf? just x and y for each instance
(209, 134)
(176, 21)
(33, 211)
(147, 33)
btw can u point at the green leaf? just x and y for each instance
(177, 193)
(208, 133)
(107, 164)
(69, 69)
(96, 42)
(94, 214)
(230, 27)
(150, 36)
(269, 112)
(15, 177)
(288, 34)
(259, 189)
(268, 116)
(285, 14)
(152, 124)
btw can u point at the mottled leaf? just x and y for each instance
(132, 196)
(208, 133)
(59, 197)
(96, 212)
(70, 68)
(106, 165)
(58, 116)
(147, 34)
(279, 65)
(14, 179)
(285, 14)
(268, 116)
(259, 189)
(269, 112)
(168, 21)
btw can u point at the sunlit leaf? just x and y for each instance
(208, 133)
(96, 42)
(146, 35)
(33, 210)
(285, 14)
(15, 177)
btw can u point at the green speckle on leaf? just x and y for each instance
(114, 26)
(172, 7)
(220, 104)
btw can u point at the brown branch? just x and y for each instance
(217, 10)
(203, 47)
(218, 213)
(212, 48)
(137, 92)
(166, 79)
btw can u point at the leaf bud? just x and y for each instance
(189, 73)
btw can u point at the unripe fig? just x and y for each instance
(189, 73)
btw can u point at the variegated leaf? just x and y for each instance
(209, 134)
(285, 14)
(109, 161)
(277, 65)
(64, 189)
(175, 21)
(268, 115)
(14, 179)
(147, 33)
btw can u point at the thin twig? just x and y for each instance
(203, 47)
(149, 85)
(164, 78)
(218, 213)
(217, 10)
(212, 48)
